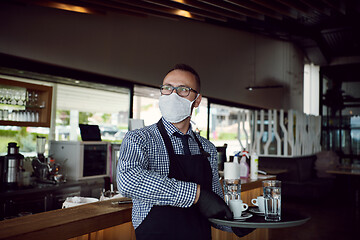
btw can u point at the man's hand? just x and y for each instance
(212, 205)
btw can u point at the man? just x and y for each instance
(170, 172)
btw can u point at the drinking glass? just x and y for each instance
(232, 190)
(2, 95)
(17, 97)
(12, 99)
(7, 96)
(272, 200)
(20, 96)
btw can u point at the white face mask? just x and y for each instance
(175, 108)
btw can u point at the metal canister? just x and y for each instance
(13, 164)
(2, 171)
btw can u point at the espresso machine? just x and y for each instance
(12, 166)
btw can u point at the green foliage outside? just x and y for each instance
(25, 140)
(146, 107)
(227, 136)
(4, 140)
(106, 117)
(203, 133)
(84, 117)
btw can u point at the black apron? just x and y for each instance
(167, 222)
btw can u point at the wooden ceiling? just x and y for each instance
(325, 29)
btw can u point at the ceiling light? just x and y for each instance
(183, 13)
(69, 7)
(64, 6)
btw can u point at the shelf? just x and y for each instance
(23, 124)
(44, 98)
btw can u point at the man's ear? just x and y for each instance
(197, 101)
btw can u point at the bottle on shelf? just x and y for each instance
(254, 166)
(244, 167)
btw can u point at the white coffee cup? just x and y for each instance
(259, 202)
(237, 207)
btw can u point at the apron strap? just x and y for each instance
(202, 151)
(165, 136)
(168, 144)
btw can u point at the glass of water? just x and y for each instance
(272, 200)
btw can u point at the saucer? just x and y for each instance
(244, 215)
(256, 211)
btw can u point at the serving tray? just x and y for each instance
(288, 219)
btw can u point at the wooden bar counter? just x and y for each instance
(102, 220)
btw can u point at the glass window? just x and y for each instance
(107, 108)
(311, 89)
(146, 104)
(199, 118)
(225, 123)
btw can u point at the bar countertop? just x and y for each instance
(75, 221)
(68, 222)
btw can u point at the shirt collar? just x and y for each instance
(171, 129)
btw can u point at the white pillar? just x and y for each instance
(74, 125)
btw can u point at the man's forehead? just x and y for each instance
(180, 77)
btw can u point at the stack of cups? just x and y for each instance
(232, 189)
(232, 186)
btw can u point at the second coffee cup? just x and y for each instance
(259, 202)
(237, 207)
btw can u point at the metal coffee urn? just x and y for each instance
(2, 171)
(12, 165)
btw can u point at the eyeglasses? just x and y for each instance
(181, 90)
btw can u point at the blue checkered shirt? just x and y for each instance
(143, 170)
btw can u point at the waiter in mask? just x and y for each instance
(170, 172)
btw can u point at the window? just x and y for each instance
(199, 118)
(146, 104)
(106, 107)
(311, 89)
(226, 125)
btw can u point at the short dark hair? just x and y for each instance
(187, 68)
